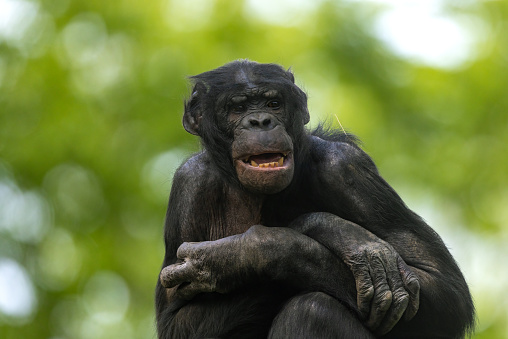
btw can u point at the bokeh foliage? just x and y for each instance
(90, 133)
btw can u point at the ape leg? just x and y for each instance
(246, 314)
(317, 315)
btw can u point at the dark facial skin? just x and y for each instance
(262, 149)
(276, 231)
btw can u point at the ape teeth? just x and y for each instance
(269, 164)
(278, 163)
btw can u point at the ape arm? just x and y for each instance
(286, 256)
(354, 190)
(260, 254)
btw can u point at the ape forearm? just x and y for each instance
(262, 254)
(294, 259)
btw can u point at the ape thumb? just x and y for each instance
(172, 275)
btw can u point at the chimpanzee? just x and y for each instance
(276, 231)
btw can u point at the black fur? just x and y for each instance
(296, 280)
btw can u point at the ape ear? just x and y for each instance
(193, 112)
(305, 115)
(303, 105)
(290, 75)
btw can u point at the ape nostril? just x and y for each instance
(254, 122)
(259, 121)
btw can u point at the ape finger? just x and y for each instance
(399, 304)
(364, 289)
(414, 299)
(188, 291)
(175, 274)
(400, 297)
(382, 294)
(186, 249)
(412, 285)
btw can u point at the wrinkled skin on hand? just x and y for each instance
(387, 288)
(208, 266)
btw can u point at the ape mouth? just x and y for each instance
(267, 160)
(266, 173)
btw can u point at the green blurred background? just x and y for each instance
(91, 98)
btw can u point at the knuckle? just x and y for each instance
(380, 282)
(366, 291)
(377, 269)
(190, 249)
(401, 298)
(386, 251)
(386, 295)
(374, 253)
(384, 300)
(169, 271)
(357, 260)
(413, 283)
(182, 250)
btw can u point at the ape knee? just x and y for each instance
(312, 307)
(317, 315)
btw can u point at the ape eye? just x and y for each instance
(273, 104)
(238, 108)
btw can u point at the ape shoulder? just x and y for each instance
(339, 159)
(195, 174)
(195, 168)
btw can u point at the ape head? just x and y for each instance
(250, 118)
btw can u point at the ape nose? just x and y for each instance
(259, 121)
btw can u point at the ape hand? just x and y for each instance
(188, 273)
(208, 266)
(386, 287)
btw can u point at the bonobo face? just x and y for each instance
(262, 150)
(249, 117)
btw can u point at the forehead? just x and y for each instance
(260, 82)
(253, 92)
(246, 84)
(239, 81)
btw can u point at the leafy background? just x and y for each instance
(90, 134)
